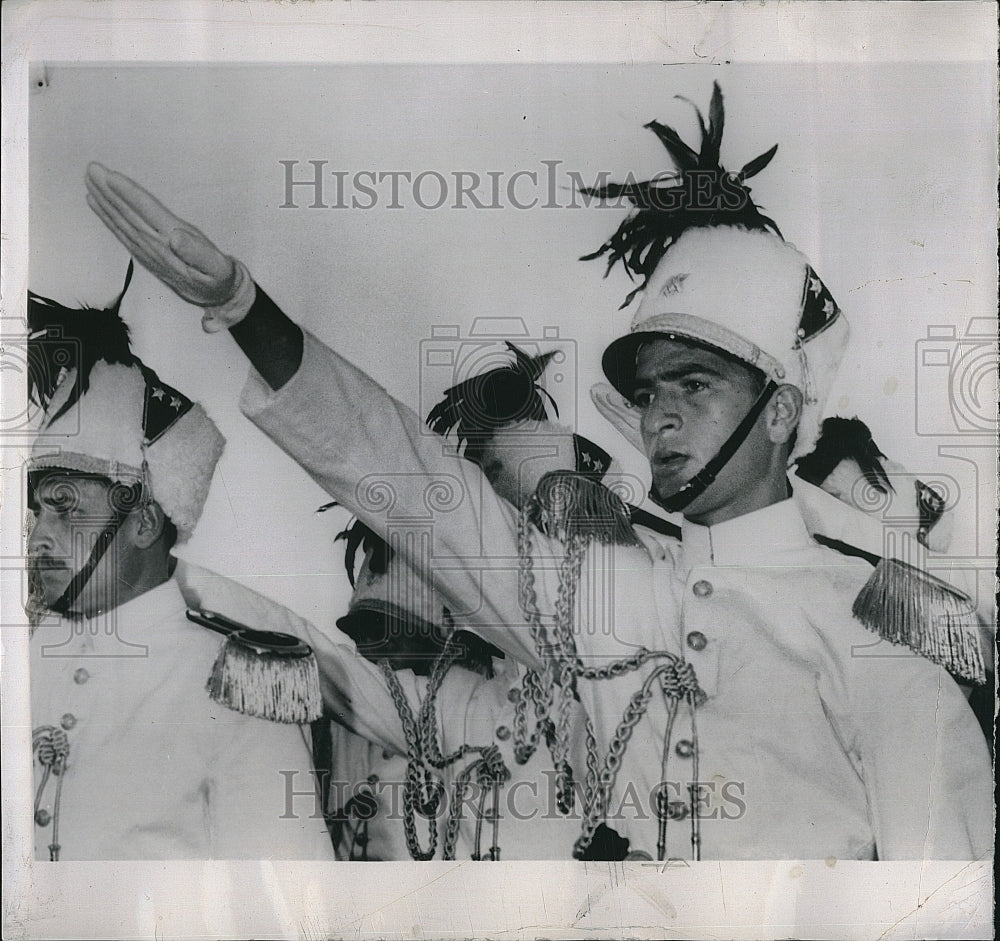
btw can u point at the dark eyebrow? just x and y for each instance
(680, 371)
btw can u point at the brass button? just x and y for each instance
(503, 733)
(677, 810)
(697, 641)
(386, 754)
(684, 748)
(513, 694)
(81, 676)
(68, 721)
(636, 855)
(702, 589)
(42, 818)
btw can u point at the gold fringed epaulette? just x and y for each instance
(263, 673)
(567, 504)
(906, 605)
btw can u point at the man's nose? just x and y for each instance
(661, 416)
(40, 537)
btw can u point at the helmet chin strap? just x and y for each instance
(701, 481)
(104, 539)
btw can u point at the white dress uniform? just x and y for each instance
(369, 738)
(807, 747)
(155, 769)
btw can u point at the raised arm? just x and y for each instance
(371, 453)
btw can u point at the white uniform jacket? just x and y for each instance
(815, 741)
(471, 710)
(155, 769)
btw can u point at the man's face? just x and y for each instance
(516, 457)
(70, 510)
(691, 400)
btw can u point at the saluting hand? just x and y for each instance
(181, 256)
(620, 412)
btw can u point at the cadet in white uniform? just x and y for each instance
(133, 757)
(733, 711)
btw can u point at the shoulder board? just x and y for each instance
(640, 517)
(906, 605)
(567, 505)
(262, 673)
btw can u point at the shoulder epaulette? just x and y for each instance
(568, 505)
(262, 673)
(906, 605)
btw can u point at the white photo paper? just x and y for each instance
(412, 185)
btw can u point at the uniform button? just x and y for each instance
(677, 810)
(697, 641)
(702, 589)
(372, 779)
(42, 818)
(68, 721)
(386, 754)
(81, 676)
(637, 855)
(503, 733)
(684, 748)
(513, 694)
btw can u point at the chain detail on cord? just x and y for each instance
(555, 686)
(52, 746)
(424, 788)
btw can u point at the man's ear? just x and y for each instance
(784, 413)
(148, 522)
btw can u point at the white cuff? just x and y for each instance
(236, 308)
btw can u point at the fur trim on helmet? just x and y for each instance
(102, 432)
(181, 463)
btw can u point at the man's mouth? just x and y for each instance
(43, 564)
(669, 462)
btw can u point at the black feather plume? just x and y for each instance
(478, 406)
(844, 439)
(64, 338)
(358, 536)
(700, 193)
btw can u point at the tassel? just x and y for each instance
(263, 673)
(567, 505)
(266, 684)
(905, 605)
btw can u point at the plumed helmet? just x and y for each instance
(107, 413)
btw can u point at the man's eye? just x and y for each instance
(642, 399)
(694, 385)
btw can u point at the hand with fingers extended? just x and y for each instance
(181, 256)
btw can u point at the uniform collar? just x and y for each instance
(757, 538)
(150, 612)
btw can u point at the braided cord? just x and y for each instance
(418, 776)
(424, 754)
(52, 746)
(562, 667)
